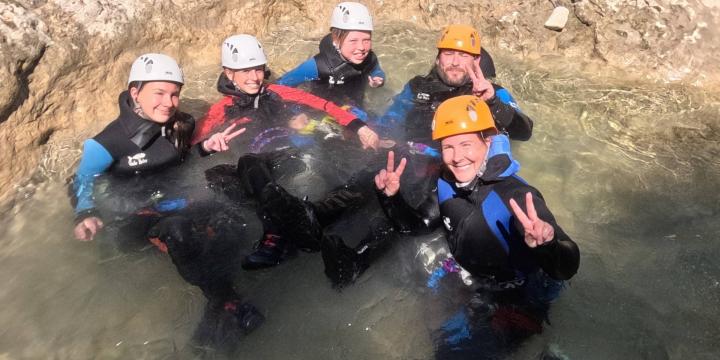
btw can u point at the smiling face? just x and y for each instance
(247, 80)
(452, 66)
(158, 100)
(464, 155)
(356, 46)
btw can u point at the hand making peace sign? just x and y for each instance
(219, 141)
(537, 232)
(482, 88)
(388, 179)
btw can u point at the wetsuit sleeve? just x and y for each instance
(377, 71)
(306, 71)
(95, 160)
(402, 104)
(211, 121)
(508, 115)
(423, 219)
(301, 97)
(560, 258)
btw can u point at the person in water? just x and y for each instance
(462, 67)
(252, 103)
(497, 226)
(147, 139)
(149, 134)
(345, 64)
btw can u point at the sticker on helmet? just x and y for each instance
(148, 65)
(472, 114)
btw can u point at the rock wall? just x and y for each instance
(63, 61)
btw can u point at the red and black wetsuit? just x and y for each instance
(272, 107)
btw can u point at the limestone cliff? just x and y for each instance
(63, 62)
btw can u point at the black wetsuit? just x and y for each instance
(334, 78)
(412, 111)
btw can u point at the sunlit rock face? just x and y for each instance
(63, 62)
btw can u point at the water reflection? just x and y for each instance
(631, 171)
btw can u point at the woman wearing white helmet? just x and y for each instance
(256, 106)
(150, 134)
(346, 63)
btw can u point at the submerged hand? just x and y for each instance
(388, 179)
(375, 81)
(482, 88)
(86, 229)
(219, 141)
(537, 231)
(368, 137)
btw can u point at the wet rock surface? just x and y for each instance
(63, 62)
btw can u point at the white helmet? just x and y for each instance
(351, 16)
(155, 67)
(242, 52)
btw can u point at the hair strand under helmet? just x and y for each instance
(460, 37)
(461, 115)
(242, 52)
(351, 16)
(155, 67)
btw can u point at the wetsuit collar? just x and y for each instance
(140, 131)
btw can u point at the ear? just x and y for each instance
(134, 92)
(228, 73)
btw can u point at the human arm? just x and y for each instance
(306, 71)
(219, 141)
(395, 115)
(95, 160)
(422, 219)
(508, 116)
(556, 253)
(345, 118)
(376, 77)
(505, 110)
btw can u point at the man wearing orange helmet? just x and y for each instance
(461, 68)
(498, 227)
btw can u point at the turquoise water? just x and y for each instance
(630, 171)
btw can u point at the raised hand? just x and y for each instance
(482, 88)
(388, 179)
(219, 141)
(537, 231)
(375, 81)
(368, 137)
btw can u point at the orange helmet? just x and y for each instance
(460, 37)
(461, 115)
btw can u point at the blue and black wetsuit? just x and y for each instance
(516, 283)
(128, 146)
(411, 112)
(334, 78)
(483, 234)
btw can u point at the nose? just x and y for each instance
(455, 60)
(167, 100)
(458, 155)
(253, 75)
